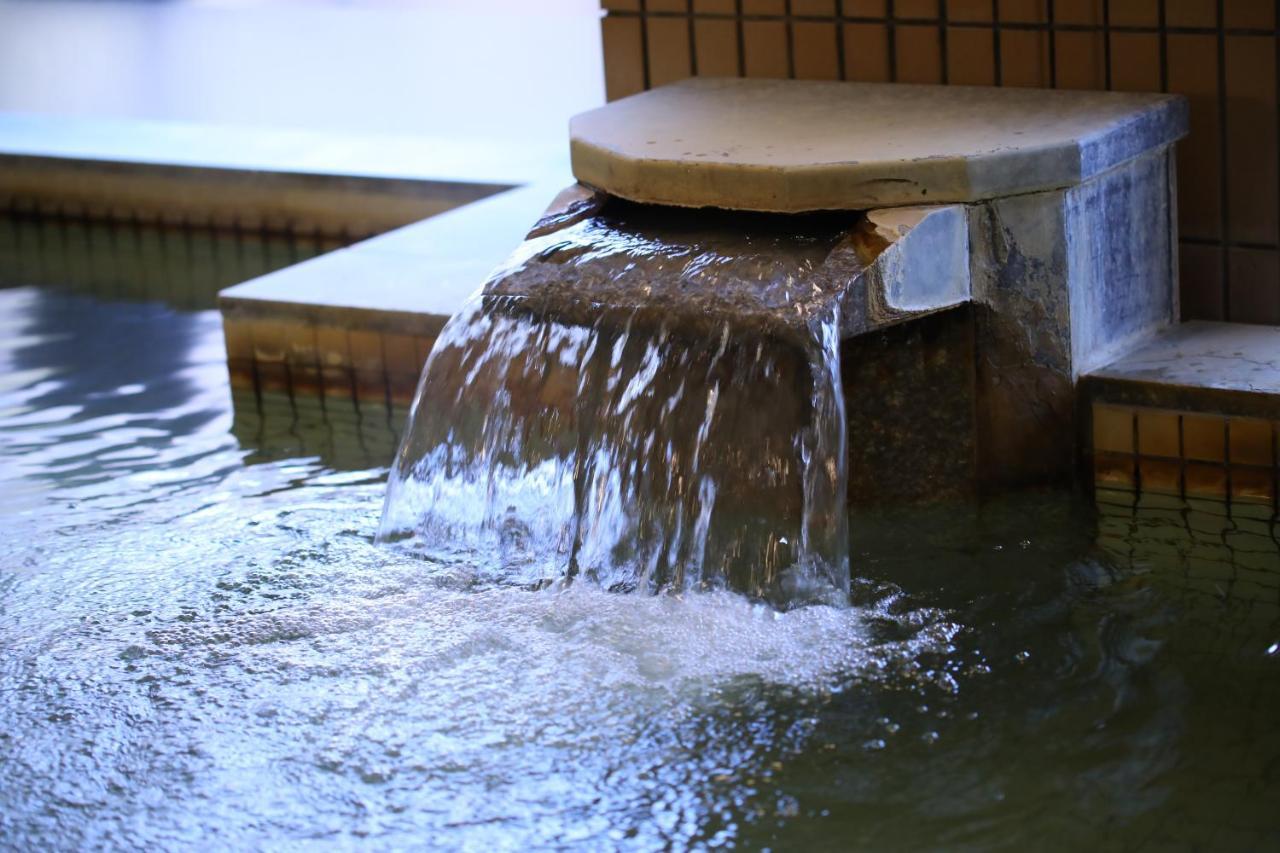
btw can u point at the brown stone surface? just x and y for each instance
(909, 397)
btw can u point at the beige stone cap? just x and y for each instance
(791, 145)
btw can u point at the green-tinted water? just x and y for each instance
(202, 647)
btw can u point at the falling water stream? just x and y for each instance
(645, 399)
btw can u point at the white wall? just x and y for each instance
(463, 68)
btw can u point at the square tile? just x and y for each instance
(333, 349)
(366, 350)
(1158, 433)
(1112, 428)
(1113, 471)
(1159, 476)
(1206, 481)
(1204, 437)
(1254, 485)
(1251, 441)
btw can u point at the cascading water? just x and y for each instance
(644, 399)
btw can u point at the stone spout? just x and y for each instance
(695, 269)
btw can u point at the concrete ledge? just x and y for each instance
(1193, 413)
(355, 323)
(362, 320)
(174, 173)
(1226, 368)
(791, 145)
(275, 202)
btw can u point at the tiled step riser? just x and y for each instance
(306, 358)
(1194, 412)
(1184, 453)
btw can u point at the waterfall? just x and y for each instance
(643, 400)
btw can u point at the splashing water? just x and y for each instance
(647, 402)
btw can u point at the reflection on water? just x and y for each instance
(202, 646)
(181, 264)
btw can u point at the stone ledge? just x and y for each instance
(366, 316)
(1225, 368)
(1193, 413)
(791, 146)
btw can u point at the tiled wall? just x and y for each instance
(1186, 454)
(1221, 54)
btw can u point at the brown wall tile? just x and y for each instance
(1204, 437)
(366, 350)
(1252, 14)
(1160, 476)
(863, 8)
(1251, 442)
(1133, 13)
(1255, 285)
(866, 52)
(1193, 63)
(1080, 58)
(623, 56)
(1206, 481)
(1158, 433)
(716, 47)
(1087, 12)
(764, 45)
(1135, 62)
(922, 9)
(1252, 486)
(1191, 13)
(1024, 58)
(1252, 200)
(970, 57)
(817, 8)
(669, 55)
(919, 54)
(815, 46)
(1113, 471)
(969, 10)
(764, 7)
(1112, 428)
(1200, 274)
(1024, 11)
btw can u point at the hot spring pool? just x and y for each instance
(202, 647)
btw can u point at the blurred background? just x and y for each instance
(456, 68)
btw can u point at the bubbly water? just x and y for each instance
(202, 648)
(643, 400)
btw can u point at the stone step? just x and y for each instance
(1192, 413)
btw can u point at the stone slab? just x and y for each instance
(1226, 368)
(358, 323)
(281, 202)
(771, 271)
(445, 157)
(791, 146)
(411, 279)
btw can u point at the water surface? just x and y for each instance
(202, 646)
